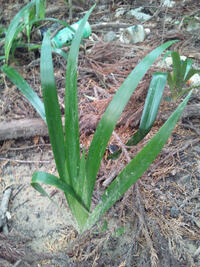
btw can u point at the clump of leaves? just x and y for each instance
(23, 20)
(29, 15)
(182, 71)
(77, 173)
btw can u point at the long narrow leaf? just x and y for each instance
(26, 90)
(40, 8)
(191, 73)
(152, 104)
(112, 114)
(136, 167)
(49, 179)
(52, 109)
(13, 28)
(188, 67)
(55, 129)
(71, 106)
(176, 69)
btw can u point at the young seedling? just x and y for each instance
(181, 74)
(32, 13)
(77, 173)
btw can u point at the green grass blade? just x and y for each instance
(187, 66)
(176, 69)
(136, 167)
(112, 114)
(191, 73)
(26, 90)
(49, 179)
(152, 104)
(82, 177)
(170, 81)
(52, 109)
(13, 28)
(71, 105)
(28, 17)
(40, 8)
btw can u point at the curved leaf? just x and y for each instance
(71, 105)
(112, 114)
(14, 28)
(49, 179)
(151, 106)
(52, 109)
(136, 167)
(26, 90)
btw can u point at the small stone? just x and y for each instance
(193, 26)
(168, 3)
(110, 36)
(174, 212)
(173, 172)
(168, 61)
(138, 14)
(119, 12)
(8, 215)
(132, 35)
(113, 148)
(195, 80)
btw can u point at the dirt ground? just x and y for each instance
(157, 221)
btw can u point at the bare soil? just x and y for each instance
(157, 221)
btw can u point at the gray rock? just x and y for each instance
(120, 12)
(174, 212)
(193, 26)
(110, 36)
(132, 35)
(169, 3)
(138, 14)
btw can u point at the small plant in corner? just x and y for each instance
(182, 72)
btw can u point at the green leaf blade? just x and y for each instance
(25, 89)
(71, 105)
(14, 28)
(112, 114)
(133, 171)
(152, 104)
(49, 179)
(52, 109)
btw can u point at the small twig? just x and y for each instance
(4, 208)
(113, 174)
(197, 252)
(141, 215)
(173, 152)
(194, 195)
(26, 161)
(191, 127)
(17, 263)
(163, 31)
(110, 25)
(154, 257)
(122, 146)
(27, 147)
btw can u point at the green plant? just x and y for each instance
(29, 15)
(77, 174)
(151, 106)
(120, 231)
(182, 72)
(23, 20)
